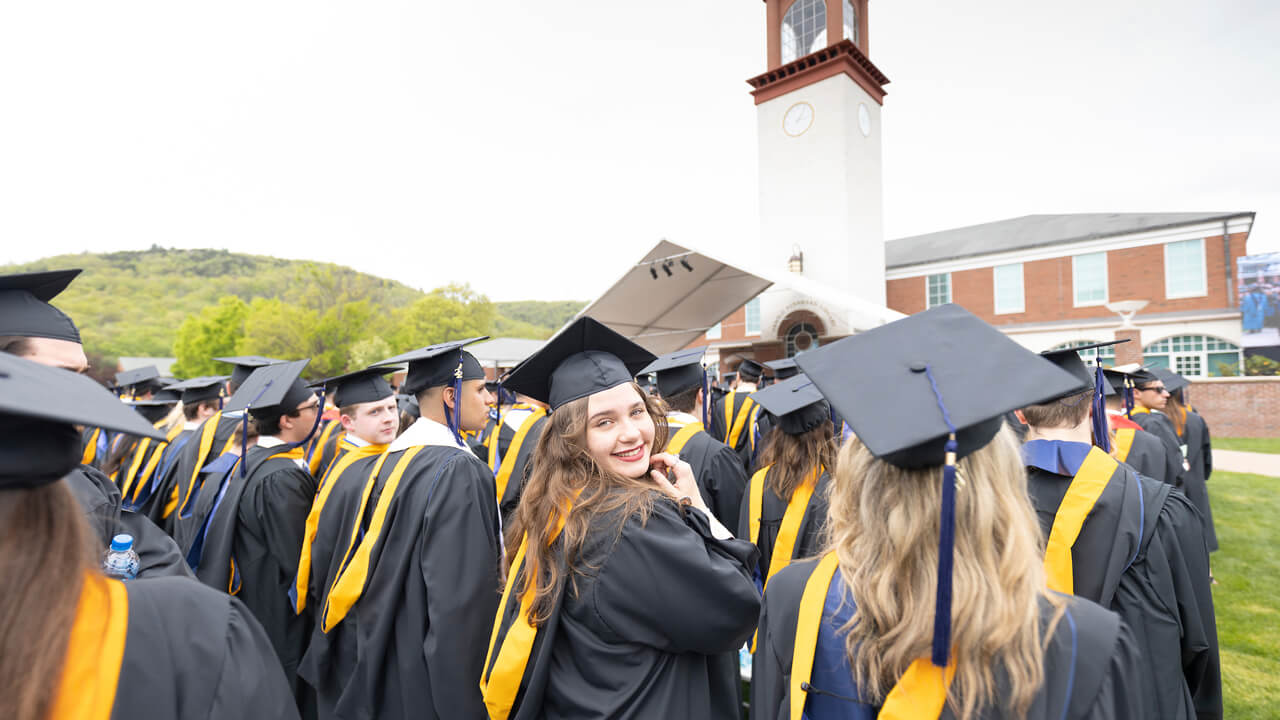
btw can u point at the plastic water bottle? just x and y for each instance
(744, 662)
(121, 562)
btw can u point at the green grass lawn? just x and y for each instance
(1246, 512)
(1262, 445)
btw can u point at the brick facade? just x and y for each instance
(1238, 407)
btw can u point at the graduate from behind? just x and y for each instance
(733, 417)
(509, 447)
(932, 601)
(1193, 433)
(201, 399)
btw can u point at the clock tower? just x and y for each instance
(818, 124)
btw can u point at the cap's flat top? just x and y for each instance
(45, 286)
(677, 359)
(133, 377)
(781, 364)
(431, 351)
(788, 395)
(29, 389)
(879, 380)
(199, 383)
(267, 386)
(249, 361)
(533, 377)
(369, 372)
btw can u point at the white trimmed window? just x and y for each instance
(1194, 355)
(1089, 279)
(713, 332)
(1184, 271)
(1008, 288)
(753, 316)
(850, 22)
(937, 290)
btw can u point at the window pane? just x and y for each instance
(850, 22)
(1008, 282)
(713, 332)
(1224, 360)
(804, 29)
(939, 290)
(1161, 361)
(1184, 268)
(753, 316)
(1089, 277)
(1187, 364)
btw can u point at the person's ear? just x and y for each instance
(450, 400)
(347, 422)
(1021, 418)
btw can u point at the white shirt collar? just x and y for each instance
(683, 418)
(358, 442)
(191, 425)
(425, 431)
(269, 441)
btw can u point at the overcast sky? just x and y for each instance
(537, 149)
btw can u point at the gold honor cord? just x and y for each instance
(1124, 443)
(921, 692)
(508, 466)
(1083, 493)
(91, 671)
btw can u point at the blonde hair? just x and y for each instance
(883, 526)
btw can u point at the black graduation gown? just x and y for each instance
(328, 451)
(101, 441)
(158, 555)
(1150, 457)
(657, 609)
(1200, 458)
(743, 447)
(809, 540)
(721, 479)
(424, 617)
(520, 471)
(1162, 427)
(1088, 674)
(189, 462)
(1141, 553)
(161, 491)
(194, 653)
(258, 526)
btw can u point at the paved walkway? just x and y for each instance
(1246, 462)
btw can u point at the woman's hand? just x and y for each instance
(685, 485)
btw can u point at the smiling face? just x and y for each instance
(620, 431)
(374, 422)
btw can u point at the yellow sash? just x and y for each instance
(349, 584)
(740, 418)
(207, 432)
(91, 448)
(129, 478)
(920, 693)
(313, 518)
(145, 478)
(1139, 409)
(500, 686)
(503, 477)
(317, 454)
(751, 435)
(1124, 443)
(91, 671)
(1092, 478)
(682, 436)
(784, 546)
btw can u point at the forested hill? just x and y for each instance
(166, 303)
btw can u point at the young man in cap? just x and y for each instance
(412, 586)
(139, 383)
(251, 536)
(733, 418)
(33, 329)
(1130, 543)
(1132, 445)
(1144, 395)
(201, 399)
(367, 415)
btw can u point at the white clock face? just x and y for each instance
(864, 120)
(797, 119)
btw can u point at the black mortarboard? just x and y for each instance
(25, 310)
(200, 389)
(677, 371)
(137, 376)
(272, 390)
(750, 370)
(1069, 359)
(438, 365)
(784, 368)
(245, 365)
(729, 377)
(39, 409)
(1172, 380)
(796, 403)
(881, 381)
(361, 386)
(409, 404)
(163, 396)
(586, 357)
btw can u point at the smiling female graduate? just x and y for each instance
(932, 601)
(624, 591)
(76, 644)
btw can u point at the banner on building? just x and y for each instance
(1259, 292)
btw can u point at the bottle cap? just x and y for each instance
(122, 543)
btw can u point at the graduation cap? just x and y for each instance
(39, 409)
(137, 376)
(362, 386)
(925, 391)
(161, 397)
(678, 371)
(245, 365)
(796, 403)
(438, 365)
(1069, 359)
(585, 358)
(750, 370)
(200, 389)
(272, 390)
(784, 368)
(1172, 380)
(24, 305)
(408, 404)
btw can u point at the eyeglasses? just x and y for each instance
(313, 406)
(1161, 389)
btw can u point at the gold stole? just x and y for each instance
(784, 545)
(313, 518)
(683, 434)
(920, 693)
(317, 453)
(142, 480)
(1124, 443)
(1083, 493)
(735, 423)
(508, 466)
(91, 671)
(91, 448)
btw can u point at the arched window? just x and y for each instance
(1194, 355)
(1105, 356)
(850, 22)
(804, 29)
(801, 338)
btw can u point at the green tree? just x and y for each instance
(366, 352)
(215, 331)
(453, 312)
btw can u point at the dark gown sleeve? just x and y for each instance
(768, 679)
(671, 585)
(281, 506)
(730, 484)
(251, 683)
(1120, 692)
(1208, 449)
(158, 554)
(459, 551)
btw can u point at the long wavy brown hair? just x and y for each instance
(1176, 409)
(564, 477)
(44, 553)
(883, 524)
(794, 457)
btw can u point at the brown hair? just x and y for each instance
(1176, 409)
(794, 457)
(565, 476)
(15, 344)
(44, 554)
(1066, 412)
(191, 411)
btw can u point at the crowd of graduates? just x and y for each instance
(888, 526)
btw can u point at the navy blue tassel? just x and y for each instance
(706, 398)
(315, 424)
(454, 417)
(946, 538)
(1101, 431)
(1128, 400)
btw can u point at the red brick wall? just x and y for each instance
(1238, 407)
(1132, 274)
